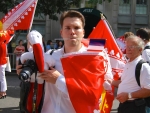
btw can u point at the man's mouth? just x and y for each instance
(73, 38)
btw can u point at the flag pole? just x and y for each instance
(32, 16)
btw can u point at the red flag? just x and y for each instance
(20, 17)
(121, 44)
(84, 74)
(102, 30)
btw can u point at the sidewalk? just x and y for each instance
(11, 103)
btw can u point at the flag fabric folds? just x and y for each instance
(84, 74)
(102, 30)
(20, 17)
(106, 101)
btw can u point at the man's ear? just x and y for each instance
(140, 49)
(84, 33)
(61, 33)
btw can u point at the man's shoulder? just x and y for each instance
(144, 64)
(54, 51)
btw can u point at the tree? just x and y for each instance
(54, 7)
(5, 5)
(98, 1)
(46, 7)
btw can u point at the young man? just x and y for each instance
(129, 93)
(57, 98)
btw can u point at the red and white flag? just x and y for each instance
(117, 60)
(20, 17)
(121, 43)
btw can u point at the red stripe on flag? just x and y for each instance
(102, 30)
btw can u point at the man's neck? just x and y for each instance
(131, 59)
(68, 49)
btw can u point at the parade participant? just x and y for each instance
(58, 98)
(4, 39)
(144, 34)
(130, 94)
(32, 59)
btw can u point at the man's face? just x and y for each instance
(132, 49)
(72, 31)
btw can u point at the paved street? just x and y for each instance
(11, 103)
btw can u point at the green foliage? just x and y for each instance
(98, 1)
(5, 5)
(54, 7)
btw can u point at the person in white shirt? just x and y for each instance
(129, 93)
(144, 34)
(56, 98)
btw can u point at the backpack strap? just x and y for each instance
(137, 71)
(52, 51)
(147, 47)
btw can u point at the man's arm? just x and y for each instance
(54, 77)
(142, 93)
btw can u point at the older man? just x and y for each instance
(129, 94)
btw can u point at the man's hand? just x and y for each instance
(107, 86)
(110, 81)
(122, 97)
(50, 75)
(114, 82)
(18, 69)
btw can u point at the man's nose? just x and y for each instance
(72, 31)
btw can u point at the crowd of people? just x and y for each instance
(57, 98)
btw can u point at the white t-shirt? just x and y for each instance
(128, 80)
(146, 53)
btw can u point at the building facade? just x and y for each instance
(123, 16)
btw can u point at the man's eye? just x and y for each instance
(76, 28)
(67, 28)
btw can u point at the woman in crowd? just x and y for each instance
(49, 45)
(60, 45)
(19, 50)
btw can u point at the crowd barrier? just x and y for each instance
(12, 60)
